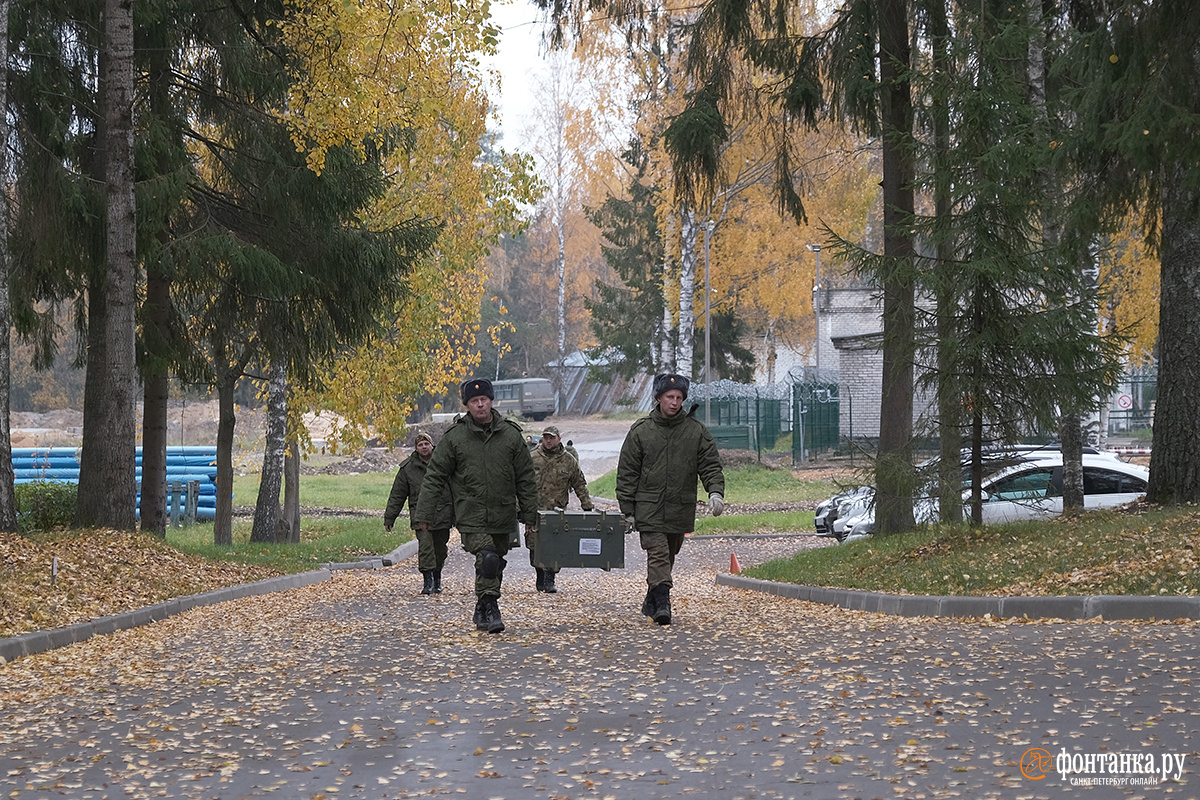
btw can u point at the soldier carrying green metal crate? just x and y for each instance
(662, 457)
(558, 473)
(484, 460)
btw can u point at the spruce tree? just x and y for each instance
(1014, 332)
(627, 318)
(1136, 79)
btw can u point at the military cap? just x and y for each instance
(668, 381)
(477, 387)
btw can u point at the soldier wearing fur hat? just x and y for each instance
(484, 461)
(662, 457)
(558, 473)
(432, 542)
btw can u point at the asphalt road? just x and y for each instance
(361, 688)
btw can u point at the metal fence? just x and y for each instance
(743, 416)
(816, 409)
(762, 417)
(1133, 407)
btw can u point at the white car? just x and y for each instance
(1031, 488)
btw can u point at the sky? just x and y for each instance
(519, 61)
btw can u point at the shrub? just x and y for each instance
(43, 505)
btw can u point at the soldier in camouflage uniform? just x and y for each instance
(662, 457)
(557, 473)
(484, 461)
(431, 543)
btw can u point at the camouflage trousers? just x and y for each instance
(486, 584)
(661, 549)
(431, 549)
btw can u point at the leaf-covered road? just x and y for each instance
(360, 688)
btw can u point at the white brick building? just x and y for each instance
(852, 328)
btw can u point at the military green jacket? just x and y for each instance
(407, 487)
(489, 473)
(557, 473)
(660, 461)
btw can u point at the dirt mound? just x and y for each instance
(370, 460)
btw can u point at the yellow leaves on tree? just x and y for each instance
(759, 265)
(375, 66)
(1129, 274)
(370, 66)
(760, 261)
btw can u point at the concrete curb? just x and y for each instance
(404, 551)
(1109, 607)
(27, 644)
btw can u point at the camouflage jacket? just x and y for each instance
(557, 473)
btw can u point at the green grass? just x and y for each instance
(753, 484)
(765, 522)
(1107, 552)
(629, 414)
(322, 541)
(367, 490)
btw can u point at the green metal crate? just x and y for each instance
(582, 539)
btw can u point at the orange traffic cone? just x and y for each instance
(734, 566)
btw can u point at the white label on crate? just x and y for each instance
(589, 547)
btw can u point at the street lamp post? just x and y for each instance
(816, 248)
(708, 229)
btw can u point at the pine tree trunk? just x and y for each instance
(1070, 436)
(107, 486)
(949, 389)
(291, 492)
(1175, 452)
(687, 291)
(894, 477)
(153, 508)
(1069, 423)
(8, 500)
(226, 382)
(266, 510)
(156, 337)
(769, 349)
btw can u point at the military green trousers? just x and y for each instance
(475, 544)
(661, 549)
(431, 549)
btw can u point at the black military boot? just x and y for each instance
(480, 625)
(437, 581)
(548, 582)
(491, 616)
(648, 604)
(662, 604)
(428, 587)
(541, 579)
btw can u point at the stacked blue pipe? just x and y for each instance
(184, 464)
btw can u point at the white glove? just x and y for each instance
(716, 504)
(630, 524)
